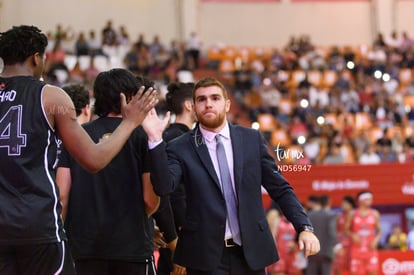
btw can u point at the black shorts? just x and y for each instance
(42, 259)
(108, 267)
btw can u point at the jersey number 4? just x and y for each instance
(11, 136)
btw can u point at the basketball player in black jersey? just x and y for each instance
(108, 215)
(32, 116)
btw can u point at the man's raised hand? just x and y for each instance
(139, 105)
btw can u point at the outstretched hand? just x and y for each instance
(138, 106)
(154, 126)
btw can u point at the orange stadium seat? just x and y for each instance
(285, 106)
(405, 76)
(374, 133)
(267, 122)
(214, 53)
(329, 78)
(409, 101)
(280, 137)
(226, 66)
(315, 77)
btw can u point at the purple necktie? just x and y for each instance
(228, 191)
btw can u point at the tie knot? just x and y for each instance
(218, 138)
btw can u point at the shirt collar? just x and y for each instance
(209, 135)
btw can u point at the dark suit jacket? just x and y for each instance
(200, 243)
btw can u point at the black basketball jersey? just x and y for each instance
(29, 199)
(106, 216)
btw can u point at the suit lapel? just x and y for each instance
(238, 157)
(201, 149)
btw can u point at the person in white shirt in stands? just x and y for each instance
(369, 156)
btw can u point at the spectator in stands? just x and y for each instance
(386, 154)
(144, 60)
(369, 156)
(141, 41)
(123, 37)
(76, 74)
(379, 40)
(334, 155)
(270, 98)
(193, 50)
(398, 239)
(298, 128)
(94, 44)
(91, 72)
(360, 143)
(109, 35)
(81, 45)
(131, 59)
(55, 59)
(155, 46)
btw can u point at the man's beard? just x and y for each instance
(213, 123)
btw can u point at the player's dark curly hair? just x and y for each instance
(20, 42)
(177, 94)
(110, 84)
(79, 95)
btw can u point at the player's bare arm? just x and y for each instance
(93, 157)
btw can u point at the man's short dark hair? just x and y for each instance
(20, 42)
(177, 94)
(79, 95)
(110, 84)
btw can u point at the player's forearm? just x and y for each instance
(99, 155)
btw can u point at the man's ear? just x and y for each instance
(86, 110)
(188, 105)
(37, 59)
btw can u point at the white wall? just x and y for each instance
(273, 23)
(139, 16)
(404, 16)
(267, 24)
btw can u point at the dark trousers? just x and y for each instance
(49, 258)
(165, 265)
(110, 267)
(232, 263)
(319, 265)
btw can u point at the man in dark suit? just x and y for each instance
(223, 233)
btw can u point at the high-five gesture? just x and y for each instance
(139, 105)
(154, 126)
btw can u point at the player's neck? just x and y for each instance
(185, 119)
(16, 70)
(114, 115)
(364, 210)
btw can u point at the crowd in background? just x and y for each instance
(350, 104)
